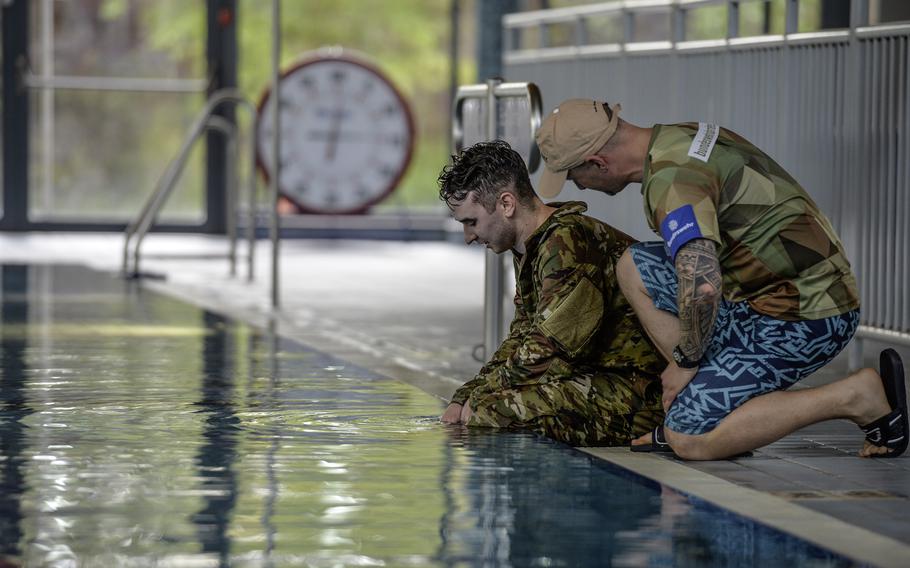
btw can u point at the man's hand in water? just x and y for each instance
(466, 413)
(452, 415)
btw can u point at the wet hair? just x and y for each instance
(486, 168)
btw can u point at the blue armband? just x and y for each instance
(679, 227)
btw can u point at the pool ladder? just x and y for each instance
(205, 121)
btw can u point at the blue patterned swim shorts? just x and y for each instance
(749, 354)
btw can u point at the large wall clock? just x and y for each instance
(347, 134)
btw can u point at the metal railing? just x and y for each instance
(140, 226)
(833, 107)
(479, 117)
(582, 19)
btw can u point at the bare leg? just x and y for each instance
(662, 327)
(769, 417)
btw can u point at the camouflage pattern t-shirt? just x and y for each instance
(570, 317)
(777, 251)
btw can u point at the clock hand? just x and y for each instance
(331, 146)
(334, 134)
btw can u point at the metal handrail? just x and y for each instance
(494, 270)
(677, 9)
(206, 119)
(491, 92)
(140, 227)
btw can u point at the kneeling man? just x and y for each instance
(576, 365)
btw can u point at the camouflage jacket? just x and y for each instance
(570, 316)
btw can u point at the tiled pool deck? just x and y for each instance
(414, 311)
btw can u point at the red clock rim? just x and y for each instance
(360, 62)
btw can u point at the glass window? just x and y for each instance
(96, 154)
(604, 28)
(888, 11)
(706, 22)
(651, 26)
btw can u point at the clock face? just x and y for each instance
(346, 135)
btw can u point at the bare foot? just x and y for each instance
(870, 450)
(641, 440)
(869, 400)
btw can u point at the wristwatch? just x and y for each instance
(682, 361)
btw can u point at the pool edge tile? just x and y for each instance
(823, 530)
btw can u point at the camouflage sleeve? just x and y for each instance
(682, 201)
(465, 391)
(517, 330)
(568, 314)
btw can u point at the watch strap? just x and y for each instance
(682, 361)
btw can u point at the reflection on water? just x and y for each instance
(190, 439)
(13, 410)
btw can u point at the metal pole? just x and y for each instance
(454, 27)
(859, 16)
(276, 145)
(791, 21)
(233, 145)
(494, 273)
(14, 36)
(489, 15)
(733, 20)
(251, 196)
(678, 19)
(628, 28)
(221, 63)
(766, 21)
(47, 105)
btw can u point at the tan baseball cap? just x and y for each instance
(575, 129)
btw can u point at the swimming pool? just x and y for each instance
(136, 430)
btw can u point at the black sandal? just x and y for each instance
(890, 431)
(658, 443)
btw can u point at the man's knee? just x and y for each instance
(627, 273)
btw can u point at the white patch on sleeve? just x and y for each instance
(704, 141)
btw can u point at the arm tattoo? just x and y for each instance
(700, 285)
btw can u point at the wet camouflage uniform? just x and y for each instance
(576, 365)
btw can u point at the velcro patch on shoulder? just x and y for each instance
(577, 318)
(704, 141)
(679, 227)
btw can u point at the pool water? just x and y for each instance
(136, 430)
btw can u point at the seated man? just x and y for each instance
(576, 365)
